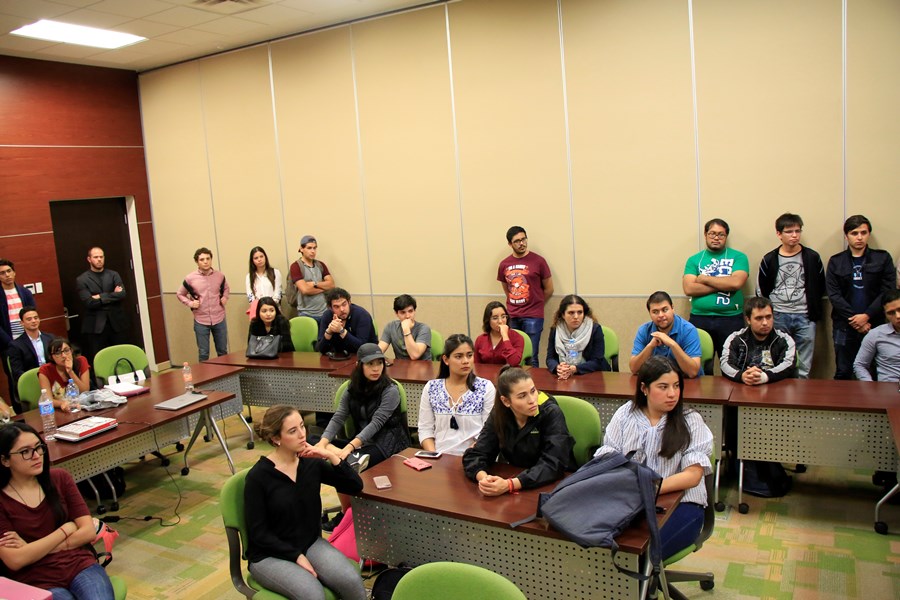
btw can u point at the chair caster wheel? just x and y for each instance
(165, 462)
(114, 506)
(179, 446)
(720, 506)
(101, 509)
(800, 468)
(880, 527)
(185, 470)
(207, 438)
(743, 508)
(250, 445)
(249, 419)
(707, 585)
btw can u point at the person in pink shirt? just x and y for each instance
(205, 292)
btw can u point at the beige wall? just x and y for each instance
(610, 130)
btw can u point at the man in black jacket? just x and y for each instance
(104, 321)
(758, 353)
(29, 350)
(855, 279)
(793, 278)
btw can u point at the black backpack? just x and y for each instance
(766, 479)
(595, 504)
(386, 582)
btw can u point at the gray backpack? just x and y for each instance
(599, 500)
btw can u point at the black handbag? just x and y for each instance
(263, 346)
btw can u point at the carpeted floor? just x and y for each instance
(817, 542)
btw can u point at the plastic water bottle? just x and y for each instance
(571, 352)
(72, 396)
(48, 418)
(188, 378)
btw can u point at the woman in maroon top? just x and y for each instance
(499, 344)
(44, 522)
(62, 366)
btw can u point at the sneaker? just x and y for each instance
(332, 523)
(358, 461)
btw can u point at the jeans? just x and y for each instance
(682, 528)
(533, 328)
(91, 584)
(846, 345)
(718, 328)
(291, 580)
(803, 332)
(220, 338)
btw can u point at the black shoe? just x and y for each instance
(331, 523)
(884, 479)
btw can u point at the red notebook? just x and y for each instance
(84, 428)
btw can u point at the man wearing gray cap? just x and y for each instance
(312, 279)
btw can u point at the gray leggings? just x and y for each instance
(291, 580)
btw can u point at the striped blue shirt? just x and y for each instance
(630, 431)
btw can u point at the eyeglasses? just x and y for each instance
(28, 453)
(520, 241)
(62, 352)
(716, 234)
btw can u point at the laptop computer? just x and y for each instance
(179, 402)
(85, 428)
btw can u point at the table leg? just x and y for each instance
(207, 421)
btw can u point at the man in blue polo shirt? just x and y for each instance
(668, 335)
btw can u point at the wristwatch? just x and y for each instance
(316, 284)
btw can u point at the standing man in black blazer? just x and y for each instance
(104, 322)
(29, 350)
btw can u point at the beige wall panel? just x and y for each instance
(873, 124)
(179, 331)
(175, 147)
(319, 154)
(769, 105)
(628, 76)
(406, 129)
(510, 121)
(243, 167)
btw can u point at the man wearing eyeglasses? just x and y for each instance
(527, 284)
(713, 279)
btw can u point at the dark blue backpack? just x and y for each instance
(595, 504)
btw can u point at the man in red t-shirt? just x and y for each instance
(527, 285)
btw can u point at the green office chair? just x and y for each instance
(349, 426)
(437, 345)
(611, 344)
(106, 361)
(584, 425)
(29, 389)
(707, 351)
(304, 331)
(120, 590)
(452, 581)
(527, 350)
(231, 503)
(706, 580)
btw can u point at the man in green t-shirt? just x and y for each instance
(713, 279)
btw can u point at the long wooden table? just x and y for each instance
(816, 422)
(142, 428)
(438, 514)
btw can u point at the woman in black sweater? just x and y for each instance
(285, 548)
(270, 321)
(525, 434)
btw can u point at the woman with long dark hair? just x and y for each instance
(526, 434)
(282, 505)
(499, 344)
(270, 321)
(455, 406)
(44, 521)
(576, 343)
(262, 280)
(62, 366)
(373, 401)
(672, 441)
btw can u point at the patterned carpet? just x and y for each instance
(818, 542)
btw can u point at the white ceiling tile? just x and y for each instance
(75, 3)
(192, 37)
(231, 26)
(182, 16)
(8, 23)
(92, 18)
(277, 15)
(22, 44)
(131, 8)
(69, 51)
(144, 28)
(33, 9)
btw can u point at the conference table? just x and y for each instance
(143, 429)
(816, 422)
(439, 515)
